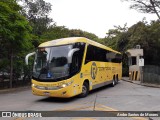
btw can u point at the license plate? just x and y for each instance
(46, 93)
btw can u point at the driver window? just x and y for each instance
(76, 62)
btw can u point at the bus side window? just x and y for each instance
(77, 58)
(76, 63)
(90, 54)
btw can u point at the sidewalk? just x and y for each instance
(139, 82)
(132, 81)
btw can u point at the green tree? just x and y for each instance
(14, 32)
(56, 32)
(36, 12)
(117, 38)
(142, 33)
(80, 33)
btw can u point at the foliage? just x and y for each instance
(14, 33)
(146, 6)
(80, 33)
(56, 32)
(115, 39)
(36, 12)
(142, 33)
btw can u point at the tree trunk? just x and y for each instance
(11, 68)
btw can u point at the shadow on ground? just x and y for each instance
(67, 100)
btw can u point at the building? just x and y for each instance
(135, 61)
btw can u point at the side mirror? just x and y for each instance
(70, 54)
(27, 56)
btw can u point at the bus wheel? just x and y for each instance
(85, 90)
(117, 80)
(113, 82)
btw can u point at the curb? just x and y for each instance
(10, 90)
(131, 82)
(150, 85)
(143, 84)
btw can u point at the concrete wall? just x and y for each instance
(135, 52)
(151, 74)
(134, 72)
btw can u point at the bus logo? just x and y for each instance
(93, 70)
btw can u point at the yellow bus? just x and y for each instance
(73, 66)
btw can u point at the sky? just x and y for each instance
(95, 16)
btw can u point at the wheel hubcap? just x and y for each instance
(113, 82)
(84, 89)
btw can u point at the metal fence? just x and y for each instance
(5, 83)
(151, 74)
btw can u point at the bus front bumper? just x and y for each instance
(64, 92)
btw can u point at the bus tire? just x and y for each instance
(117, 79)
(85, 90)
(113, 82)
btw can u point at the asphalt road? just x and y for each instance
(123, 97)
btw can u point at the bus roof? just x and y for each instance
(71, 40)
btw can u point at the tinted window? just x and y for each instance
(77, 58)
(90, 54)
(99, 54)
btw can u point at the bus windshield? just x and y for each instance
(52, 62)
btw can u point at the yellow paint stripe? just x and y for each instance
(134, 75)
(106, 108)
(73, 108)
(19, 119)
(99, 109)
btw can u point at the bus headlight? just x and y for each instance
(53, 87)
(33, 85)
(66, 84)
